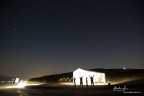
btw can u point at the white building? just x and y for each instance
(98, 77)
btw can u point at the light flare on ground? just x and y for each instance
(23, 84)
(122, 81)
(72, 84)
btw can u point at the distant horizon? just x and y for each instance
(68, 72)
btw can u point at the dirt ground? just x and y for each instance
(45, 90)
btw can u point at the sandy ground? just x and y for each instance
(45, 90)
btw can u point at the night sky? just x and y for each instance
(42, 37)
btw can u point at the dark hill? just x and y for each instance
(112, 75)
(52, 78)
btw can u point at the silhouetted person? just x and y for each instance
(74, 82)
(86, 82)
(81, 82)
(109, 84)
(91, 79)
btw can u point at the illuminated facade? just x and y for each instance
(86, 75)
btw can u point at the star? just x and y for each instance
(15, 29)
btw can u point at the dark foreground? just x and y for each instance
(104, 90)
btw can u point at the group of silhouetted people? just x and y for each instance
(81, 81)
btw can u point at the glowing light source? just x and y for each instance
(124, 68)
(17, 80)
(23, 84)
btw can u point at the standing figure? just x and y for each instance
(81, 82)
(91, 79)
(86, 82)
(74, 82)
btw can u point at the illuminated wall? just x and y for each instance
(97, 76)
